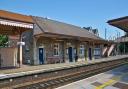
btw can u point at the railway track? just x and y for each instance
(58, 78)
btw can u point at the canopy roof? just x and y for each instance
(13, 23)
(121, 23)
(15, 17)
(49, 26)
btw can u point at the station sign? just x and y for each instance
(20, 43)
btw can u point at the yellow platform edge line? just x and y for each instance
(110, 82)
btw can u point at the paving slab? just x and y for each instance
(103, 80)
(111, 87)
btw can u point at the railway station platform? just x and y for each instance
(114, 79)
(26, 69)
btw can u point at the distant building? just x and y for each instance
(94, 31)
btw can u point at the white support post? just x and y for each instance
(21, 62)
(20, 56)
(20, 52)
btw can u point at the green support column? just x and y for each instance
(65, 60)
(93, 47)
(101, 48)
(77, 49)
(86, 52)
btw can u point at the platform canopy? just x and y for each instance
(13, 23)
(121, 23)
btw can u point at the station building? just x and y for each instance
(46, 41)
(57, 42)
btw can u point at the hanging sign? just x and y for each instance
(20, 43)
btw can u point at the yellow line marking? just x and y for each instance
(110, 82)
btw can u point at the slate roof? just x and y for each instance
(60, 28)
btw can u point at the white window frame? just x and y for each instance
(82, 50)
(97, 51)
(66, 51)
(56, 47)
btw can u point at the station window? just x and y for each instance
(97, 51)
(82, 49)
(56, 49)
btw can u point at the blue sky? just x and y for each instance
(82, 13)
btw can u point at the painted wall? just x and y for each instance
(8, 57)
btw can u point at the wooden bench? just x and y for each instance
(54, 59)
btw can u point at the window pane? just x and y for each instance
(56, 49)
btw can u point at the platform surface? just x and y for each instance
(27, 69)
(113, 79)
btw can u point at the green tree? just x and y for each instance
(3, 40)
(123, 46)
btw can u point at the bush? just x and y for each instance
(3, 40)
